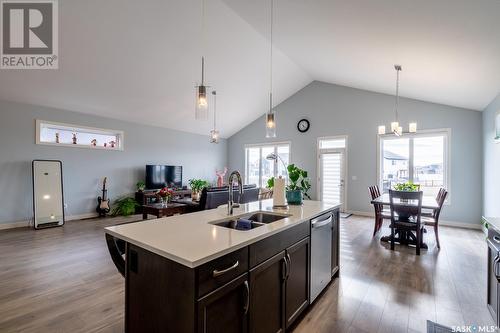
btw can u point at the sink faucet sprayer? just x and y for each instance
(231, 204)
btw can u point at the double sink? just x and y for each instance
(257, 219)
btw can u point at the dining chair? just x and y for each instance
(380, 212)
(430, 213)
(406, 216)
(434, 219)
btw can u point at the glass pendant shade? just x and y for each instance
(412, 128)
(381, 130)
(270, 125)
(214, 136)
(394, 126)
(201, 111)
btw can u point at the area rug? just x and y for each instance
(436, 328)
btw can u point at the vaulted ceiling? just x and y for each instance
(140, 60)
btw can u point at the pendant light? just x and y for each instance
(270, 115)
(395, 126)
(201, 108)
(214, 134)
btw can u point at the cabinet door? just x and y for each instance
(335, 242)
(267, 295)
(297, 281)
(225, 309)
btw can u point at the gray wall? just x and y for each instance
(491, 155)
(337, 110)
(84, 169)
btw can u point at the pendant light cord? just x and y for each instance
(202, 42)
(215, 107)
(398, 69)
(271, 61)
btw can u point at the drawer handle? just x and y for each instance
(217, 273)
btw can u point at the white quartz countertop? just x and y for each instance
(191, 240)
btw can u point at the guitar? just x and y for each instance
(103, 202)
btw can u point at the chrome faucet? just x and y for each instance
(230, 203)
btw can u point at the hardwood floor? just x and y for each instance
(63, 280)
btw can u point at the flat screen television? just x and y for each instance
(159, 176)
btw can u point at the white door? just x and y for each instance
(332, 176)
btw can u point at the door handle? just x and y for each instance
(320, 224)
(496, 239)
(247, 302)
(284, 269)
(217, 273)
(289, 265)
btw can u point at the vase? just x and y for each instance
(195, 196)
(294, 197)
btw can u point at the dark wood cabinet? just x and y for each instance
(267, 295)
(263, 287)
(225, 309)
(297, 280)
(335, 242)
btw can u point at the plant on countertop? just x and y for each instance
(124, 206)
(407, 187)
(141, 186)
(298, 185)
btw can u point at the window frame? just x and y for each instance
(120, 135)
(264, 145)
(445, 132)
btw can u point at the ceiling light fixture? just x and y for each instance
(395, 127)
(270, 115)
(201, 110)
(214, 134)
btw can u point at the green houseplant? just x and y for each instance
(197, 185)
(124, 206)
(141, 186)
(298, 185)
(407, 187)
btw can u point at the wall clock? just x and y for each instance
(303, 125)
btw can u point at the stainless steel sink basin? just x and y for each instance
(266, 217)
(258, 219)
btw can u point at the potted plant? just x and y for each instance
(298, 185)
(165, 194)
(124, 206)
(141, 186)
(197, 185)
(407, 187)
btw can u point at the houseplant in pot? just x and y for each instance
(298, 185)
(141, 186)
(197, 185)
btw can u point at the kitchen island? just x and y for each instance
(191, 273)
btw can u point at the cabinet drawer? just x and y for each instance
(219, 271)
(268, 247)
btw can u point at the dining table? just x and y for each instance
(401, 236)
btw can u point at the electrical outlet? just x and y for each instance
(354, 177)
(65, 206)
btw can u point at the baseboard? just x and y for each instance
(27, 223)
(441, 222)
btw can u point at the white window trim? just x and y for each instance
(319, 151)
(95, 130)
(262, 145)
(419, 134)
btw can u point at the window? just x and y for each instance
(421, 158)
(66, 135)
(258, 169)
(332, 170)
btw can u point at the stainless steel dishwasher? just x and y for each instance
(321, 253)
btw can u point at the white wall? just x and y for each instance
(491, 155)
(337, 110)
(84, 169)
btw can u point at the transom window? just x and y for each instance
(421, 158)
(258, 169)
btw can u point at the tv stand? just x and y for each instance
(147, 197)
